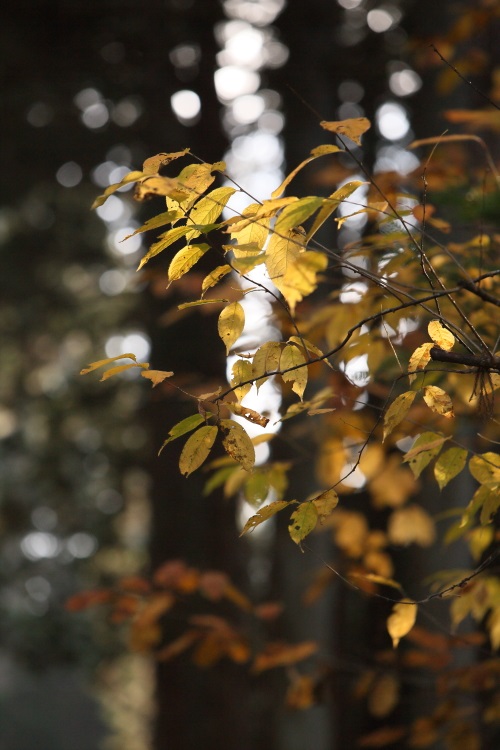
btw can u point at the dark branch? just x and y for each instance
(482, 361)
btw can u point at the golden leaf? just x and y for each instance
(419, 359)
(214, 277)
(486, 468)
(209, 208)
(166, 239)
(130, 177)
(250, 414)
(101, 362)
(315, 153)
(231, 324)
(196, 449)
(265, 360)
(441, 335)
(156, 376)
(291, 356)
(241, 371)
(264, 514)
(325, 503)
(401, 621)
(153, 163)
(295, 214)
(332, 203)
(397, 411)
(449, 464)
(384, 696)
(439, 401)
(185, 259)
(352, 128)
(237, 444)
(303, 521)
(253, 233)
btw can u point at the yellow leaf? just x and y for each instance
(266, 210)
(196, 449)
(157, 221)
(281, 655)
(166, 239)
(332, 203)
(231, 324)
(156, 376)
(130, 177)
(441, 335)
(300, 277)
(423, 450)
(157, 185)
(325, 503)
(486, 468)
(384, 696)
(411, 524)
(266, 360)
(195, 303)
(291, 356)
(419, 359)
(185, 259)
(264, 514)
(195, 179)
(439, 401)
(237, 443)
(449, 464)
(253, 233)
(397, 411)
(241, 371)
(315, 153)
(100, 363)
(121, 368)
(153, 163)
(303, 521)
(352, 128)
(214, 277)
(209, 208)
(401, 621)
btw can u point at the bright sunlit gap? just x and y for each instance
(186, 106)
(392, 121)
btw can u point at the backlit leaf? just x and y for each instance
(411, 525)
(153, 185)
(196, 449)
(266, 359)
(214, 277)
(250, 414)
(397, 411)
(130, 177)
(157, 221)
(315, 153)
(441, 335)
(268, 511)
(153, 163)
(281, 655)
(121, 368)
(352, 128)
(254, 232)
(166, 239)
(291, 356)
(237, 443)
(419, 359)
(331, 204)
(182, 427)
(401, 621)
(209, 208)
(303, 521)
(439, 401)
(268, 209)
(231, 323)
(185, 259)
(449, 464)
(197, 302)
(241, 371)
(256, 487)
(300, 277)
(102, 362)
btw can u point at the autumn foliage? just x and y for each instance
(383, 373)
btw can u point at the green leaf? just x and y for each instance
(303, 521)
(196, 449)
(182, 427)
(256, 487)
(297, 213)
(185, 259)
(264, 514)
(449, 464)
(231, 324)
(237, 443)
(397, 411)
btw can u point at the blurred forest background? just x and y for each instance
(89, 90)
